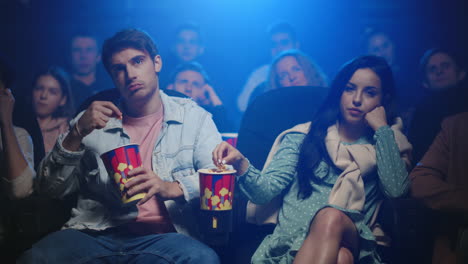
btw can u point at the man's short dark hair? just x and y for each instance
(128, 38)
(84, 33)
(370, 32)
(282, 27)
(191, 26)
(190, 66)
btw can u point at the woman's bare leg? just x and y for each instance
(330, 230)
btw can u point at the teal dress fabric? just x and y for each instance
(389, 180)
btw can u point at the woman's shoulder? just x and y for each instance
(20, 132)
(294, 136)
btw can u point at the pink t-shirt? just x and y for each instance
(144, 131)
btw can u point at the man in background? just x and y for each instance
(85, 57)
(282, 36)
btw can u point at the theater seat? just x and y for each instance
(267, 116)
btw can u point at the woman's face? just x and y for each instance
(290, 73)
(362, 94)
(47, 96)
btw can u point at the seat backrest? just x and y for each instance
(266, 117)
(273, 112)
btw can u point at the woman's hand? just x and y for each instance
(7, 102)
(376, 118)
(224, 153)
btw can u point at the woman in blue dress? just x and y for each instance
(332, 172)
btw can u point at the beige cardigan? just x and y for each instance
(268, 213)
(21, 186)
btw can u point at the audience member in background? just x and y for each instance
(189, 43)
(16, 147)
(16, 164)
(440, 179)
(282, 36)
(52, 100)
(379, 43)
(187, 47)
(332, 172)
(176, 138)
(192, 80)
(87, 79)
(291, 68)
(445, 93)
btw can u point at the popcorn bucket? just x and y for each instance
(119, 162)
(230, 138)
(216, 199)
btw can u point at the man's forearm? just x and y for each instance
(73, 139)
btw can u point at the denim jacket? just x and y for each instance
(185, 143)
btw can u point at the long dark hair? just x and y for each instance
(313, 149)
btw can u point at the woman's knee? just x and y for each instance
(345, 256)
(329, 221)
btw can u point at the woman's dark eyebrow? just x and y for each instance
(351, 84)
(371, 88)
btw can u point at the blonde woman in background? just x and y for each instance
(291, 68)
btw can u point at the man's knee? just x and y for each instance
(190, 250)
(55, 247)
(206, 255)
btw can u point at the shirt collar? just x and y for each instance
(172, 112)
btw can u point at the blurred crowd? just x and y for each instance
(429, 99)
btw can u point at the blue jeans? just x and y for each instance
(116, 246)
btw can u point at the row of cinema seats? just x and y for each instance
(406, 222)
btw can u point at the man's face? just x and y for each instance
(188, 46)
(282, 41)
(84, 55)
(134, 73)
(380, 45)
(191, 83)
(442, 72)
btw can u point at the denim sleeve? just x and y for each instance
(391, 168)
(57, 175)
(206, 141)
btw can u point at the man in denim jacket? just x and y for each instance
(176, 138)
